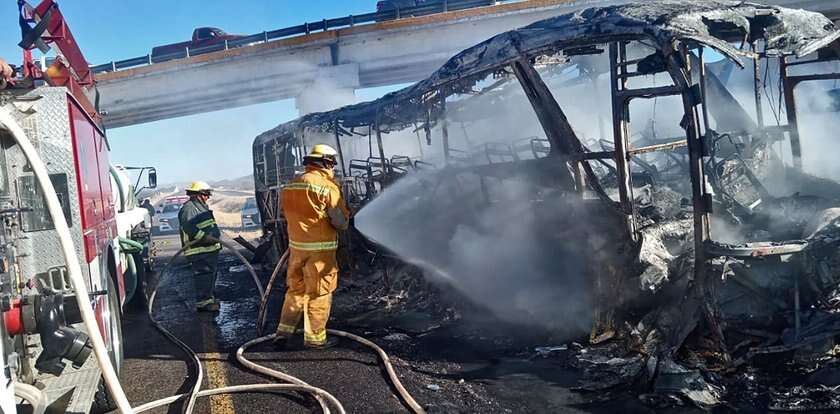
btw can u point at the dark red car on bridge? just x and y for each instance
(203, 39)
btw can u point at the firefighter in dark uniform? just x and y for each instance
(197, 223)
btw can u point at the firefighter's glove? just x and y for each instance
(337, 218)
(6, 72)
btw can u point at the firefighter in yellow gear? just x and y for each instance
(314, 210)
(196, 222)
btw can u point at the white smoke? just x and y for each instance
(818, 117)
(502, 255)
(819, 126)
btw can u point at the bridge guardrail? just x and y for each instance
(303, 29)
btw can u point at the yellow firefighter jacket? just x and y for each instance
(308, 201)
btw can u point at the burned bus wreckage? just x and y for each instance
(655, 173)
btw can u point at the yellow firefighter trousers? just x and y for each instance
(311, 279)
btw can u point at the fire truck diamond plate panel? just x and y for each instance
(50, 124)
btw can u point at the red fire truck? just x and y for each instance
(40, 331)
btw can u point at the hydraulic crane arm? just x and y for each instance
(70, 69)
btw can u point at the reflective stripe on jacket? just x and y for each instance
(197, 221)
(305, 202)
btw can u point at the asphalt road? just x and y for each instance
(154, 368)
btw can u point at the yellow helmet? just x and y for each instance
(199, 187)
(323, 151)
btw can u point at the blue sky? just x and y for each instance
(208, 146)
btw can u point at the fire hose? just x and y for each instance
(320, 395)
(100, 350)
(383, 356)
(35, 397)
(264, 299)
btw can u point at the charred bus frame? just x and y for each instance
(682, 36)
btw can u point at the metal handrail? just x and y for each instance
(303, 29)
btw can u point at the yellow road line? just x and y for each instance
(214, 364)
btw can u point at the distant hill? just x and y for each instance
(242, 184)
(245, 183)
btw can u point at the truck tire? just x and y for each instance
(137, 303)
(102, 401)
(116, 352)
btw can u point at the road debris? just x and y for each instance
(546, 351)
(396, 337)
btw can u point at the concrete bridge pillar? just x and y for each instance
(332, 87)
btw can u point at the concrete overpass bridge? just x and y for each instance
(321, 70)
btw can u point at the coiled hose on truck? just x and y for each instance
(100, 350)
(131, 272)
